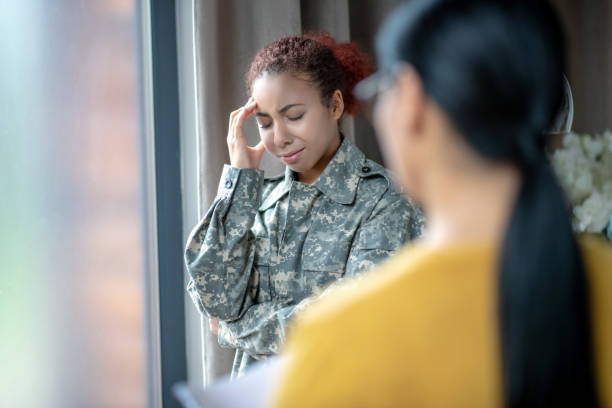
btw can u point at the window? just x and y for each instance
(72, 297)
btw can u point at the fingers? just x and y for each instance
(235, 113)
(238, 117)
(245, 112)
(255, 153)
(231, 118)
(259, 147)
(241, 155)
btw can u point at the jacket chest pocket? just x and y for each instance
(261, 264)
(328, 244)
(324, 261)
(325, 255)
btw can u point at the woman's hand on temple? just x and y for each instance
(241, 154)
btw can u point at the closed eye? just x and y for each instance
(263, 122)
(295, 117)
(291, 118)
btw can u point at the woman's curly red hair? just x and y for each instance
(328, 64)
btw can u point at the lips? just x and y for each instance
(292, 157)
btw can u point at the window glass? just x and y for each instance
(71, 242)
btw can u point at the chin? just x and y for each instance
(300, 165)
(296, 167)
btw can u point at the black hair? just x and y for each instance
(495, 67)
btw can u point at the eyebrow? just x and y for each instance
(281, 110)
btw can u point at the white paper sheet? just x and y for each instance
(252, 390)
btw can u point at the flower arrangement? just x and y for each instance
(584, 168)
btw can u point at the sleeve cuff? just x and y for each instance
(247, 182)
(225, 336)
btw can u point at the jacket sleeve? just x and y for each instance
(220, 250)
(262, 329)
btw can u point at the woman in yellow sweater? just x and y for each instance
(497, 305)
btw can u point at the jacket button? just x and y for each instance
(228, 184)
(365, 169)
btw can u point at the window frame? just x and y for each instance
(163, 212)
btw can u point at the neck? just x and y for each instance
(310, 176)
(473, 203)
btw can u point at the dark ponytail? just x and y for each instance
(543, 301)
(495, 67)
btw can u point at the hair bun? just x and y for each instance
(355, 64)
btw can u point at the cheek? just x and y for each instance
(301, 128)
(394, 140)
(267, 138)
(388, 132)
(311, 130)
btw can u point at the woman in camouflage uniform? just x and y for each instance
(267, 246)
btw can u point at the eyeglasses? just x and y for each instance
(562, 124)
(369, 90)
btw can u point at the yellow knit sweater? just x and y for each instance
(422, 331)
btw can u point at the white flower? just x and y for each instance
(572, 141)
(593, 146)
(584, 169)
(607, 138)
(593, 215)
(604, 168)
(573, 170)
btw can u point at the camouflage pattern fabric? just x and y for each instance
(267, 246)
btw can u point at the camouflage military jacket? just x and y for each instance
(267, 245)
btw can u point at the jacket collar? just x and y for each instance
(338, 181)
(278, 191)
(340, 178)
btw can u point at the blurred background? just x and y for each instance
(71, 241)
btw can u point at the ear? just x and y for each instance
(412, 95)
(336, 105)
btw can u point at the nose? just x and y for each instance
(282, 138)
